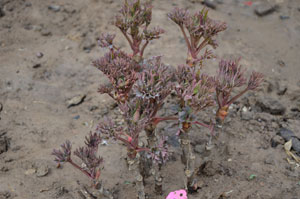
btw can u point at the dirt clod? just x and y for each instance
(270, 105)
(264, 9)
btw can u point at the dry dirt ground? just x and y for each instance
(34, 91)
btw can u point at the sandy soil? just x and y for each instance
(34, 90)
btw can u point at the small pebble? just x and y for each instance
(55, 8)
(28, 4)
(42, 171)
(30, 171)
(36, 65)
(209, 3)
(76, 117)
(46, 32)
(39, 55)
(284, 17)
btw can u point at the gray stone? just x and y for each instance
(75, 101)
(264, 9)
(270, 105)
(296, 145)
(286, 134)
(46, 32)
(210, 3)
(55, 8)
(39, 55)
(276, 140)
(284, 17)
(42, 171)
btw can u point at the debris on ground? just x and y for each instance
(75, 101)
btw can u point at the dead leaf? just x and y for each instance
(288, 145)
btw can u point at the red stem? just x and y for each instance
(81, 169)
(125, 141)
(237, 96)
(218, 97)
(128, 39)
(157, 120)
(143, 48)
(201, 45)
(186, 39)
(201, 124)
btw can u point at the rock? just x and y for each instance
(75, 101)
(286, 134)
(296, 145)
(284, 17)
(30, 171)
(28, 4)
(45, 32)
(1, 107)
(55, 8)
(36, 28)
(199, 148)
(276, 140)
(210, 3)
(76, 117)
(264, 9)
(270, 105)
(39, 55)
(36, 65)
(42, 171)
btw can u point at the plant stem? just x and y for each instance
(186, 39)
(81, 169)
(134, 165)
(188, 158)
(152, 140)
(127, 38)
(158, 179)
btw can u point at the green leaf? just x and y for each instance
(127, 182)
(252, 176)
(196, 90)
